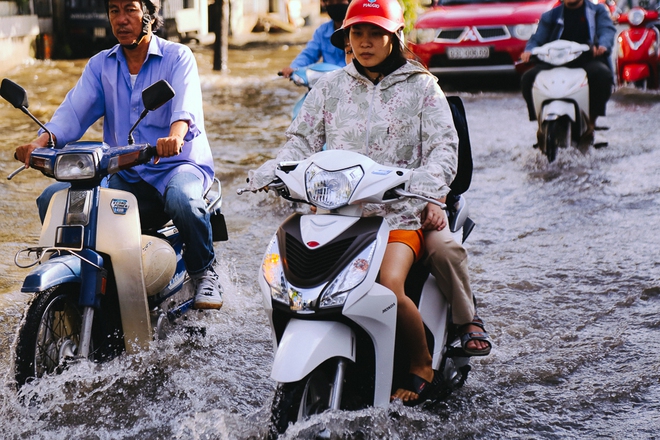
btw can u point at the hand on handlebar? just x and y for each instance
(286, 72)
(599, 50)
(23, 152)
(525, 57)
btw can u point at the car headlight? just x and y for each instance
(636, 16)
(331, 189)
(75, 166)
(424, 35)
(336, 292)
(273, 272)
(523, 31)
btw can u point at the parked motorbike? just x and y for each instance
(637, 56)
(99, 285)
(333, 324)
(561, 98)
(306, 77)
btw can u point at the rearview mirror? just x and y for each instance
(14, 94)
(153, 97)
(157, 94)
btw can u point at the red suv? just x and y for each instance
(475, 36)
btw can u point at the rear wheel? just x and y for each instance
(49, 334)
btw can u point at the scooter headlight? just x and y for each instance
(274, 272)
(636, 16)
(337, 291)
(523, 31)
(331, 189)
(75, 167)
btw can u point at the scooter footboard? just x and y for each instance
(297, 356)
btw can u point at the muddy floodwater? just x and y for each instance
(564, 261)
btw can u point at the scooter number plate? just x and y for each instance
(468, 53)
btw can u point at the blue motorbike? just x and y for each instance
(100, 284)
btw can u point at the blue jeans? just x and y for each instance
(183, 203)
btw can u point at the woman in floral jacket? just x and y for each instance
(392, 110)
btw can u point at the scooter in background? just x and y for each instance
(561, 98)
(637, 57)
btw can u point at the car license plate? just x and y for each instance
(468, 53)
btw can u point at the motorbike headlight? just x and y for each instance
(423, 36)
(331, 189)
(274, 272)
(636, 16)
(75, 167)
(523, 31)
(337, 291)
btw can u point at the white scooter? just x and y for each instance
(561, 98)
(333, 324)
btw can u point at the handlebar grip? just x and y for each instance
(280, 73)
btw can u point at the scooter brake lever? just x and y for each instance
(403, 193)
(18, 170)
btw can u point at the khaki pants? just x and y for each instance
(447, 261)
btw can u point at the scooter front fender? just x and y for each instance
(307, 344)
(635, 72)
(554, 109)
(51, 273)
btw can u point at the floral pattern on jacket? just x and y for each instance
(403, 121)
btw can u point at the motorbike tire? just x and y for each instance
(49, 333)
(557, 134)
(299, 400)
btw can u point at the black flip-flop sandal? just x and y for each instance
(475, 336)
(424, 389)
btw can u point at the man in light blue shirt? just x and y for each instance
(172, 187)
(320, 47)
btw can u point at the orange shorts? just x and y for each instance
(414, 240)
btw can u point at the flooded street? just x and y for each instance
(565, 263)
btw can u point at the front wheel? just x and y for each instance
(49, 334)
(299, 400)
(557, 134)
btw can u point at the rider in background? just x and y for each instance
(320, 47)
(586, 23)
(173, 186)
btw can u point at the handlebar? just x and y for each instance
(274, 185)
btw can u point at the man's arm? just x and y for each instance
(605, 30)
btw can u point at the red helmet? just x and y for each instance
(386, 14)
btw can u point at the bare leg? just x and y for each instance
(395, 267)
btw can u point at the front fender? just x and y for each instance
(307, 344)
(56, 271)
(558, 108)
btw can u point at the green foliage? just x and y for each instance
(409, 13)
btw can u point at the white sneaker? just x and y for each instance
(208, 292)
